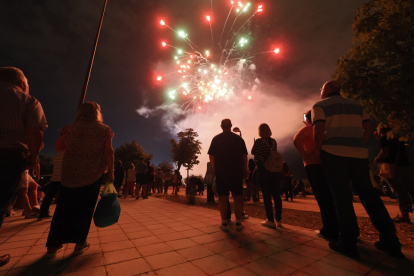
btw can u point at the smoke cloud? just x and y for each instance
(275, 106)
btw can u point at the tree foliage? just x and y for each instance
(185, 151)
(378, 71)
(130, 153)
(165, 166)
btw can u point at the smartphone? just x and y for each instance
(304, 117)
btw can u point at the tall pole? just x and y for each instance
(88, 73)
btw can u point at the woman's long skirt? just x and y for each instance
(73, 214)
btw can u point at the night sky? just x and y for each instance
(51, 42)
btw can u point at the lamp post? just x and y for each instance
(88, 73)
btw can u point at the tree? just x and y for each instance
(378, 72)
(184, 153)
(165, 166)
(130, 153)
(46, 164)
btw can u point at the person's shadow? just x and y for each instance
(52, 266)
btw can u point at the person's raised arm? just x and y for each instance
(212, 161)
(109, 158)
(35, 143)
(60, 144)
(318, 135)
(254, 148)
(298, 142)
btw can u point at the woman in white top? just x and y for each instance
(130, 181)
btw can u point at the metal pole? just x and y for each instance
(88, 73)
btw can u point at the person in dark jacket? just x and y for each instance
(392, 151)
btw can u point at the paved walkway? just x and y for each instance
(160, 237)
(309, 204)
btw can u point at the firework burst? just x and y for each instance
(206, 78)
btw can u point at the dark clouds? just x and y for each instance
(51, 42)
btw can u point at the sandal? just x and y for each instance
(52, 251)
(83, 248)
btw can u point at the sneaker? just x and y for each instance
(245, 216)
(337, 246)
(44, 217)
(31, 215)
(224, 227)
(137, 197)
(239, 226)
(393, 252)
(268, 223)
(278, 224)
(36, 209)
(10, 213)
(144, 197)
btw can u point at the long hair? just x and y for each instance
(89, 111)
(264, 131)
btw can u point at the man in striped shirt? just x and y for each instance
(341, 131)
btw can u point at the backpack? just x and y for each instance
(274, 162)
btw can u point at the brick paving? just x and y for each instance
(160, 237)
(309, 204)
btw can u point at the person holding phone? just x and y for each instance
(305, 144)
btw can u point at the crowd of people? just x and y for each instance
(332, 144)
(335, 155)
(143, 177)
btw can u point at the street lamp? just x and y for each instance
(236, 129)
(88, 72)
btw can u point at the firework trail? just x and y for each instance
(205, 78)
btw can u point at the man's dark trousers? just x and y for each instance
(339, 172)
(11, 168)
(210, 193)
(324, 198)
(51, 192)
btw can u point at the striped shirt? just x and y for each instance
(261, 148)
(57, 167)
(343, 123)
(18, 112)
